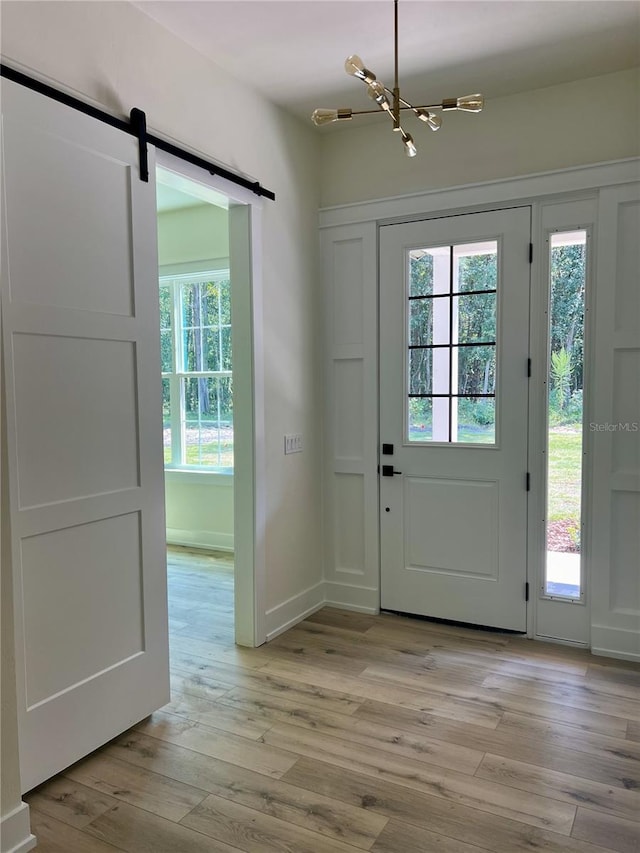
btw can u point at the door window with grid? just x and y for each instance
(197, 380)
(451, 343)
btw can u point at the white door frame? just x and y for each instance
(563, 621)
(245, 249)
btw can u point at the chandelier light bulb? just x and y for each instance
(470, 103)
(377, 93)
(324, 116)
(409, 145)
(467, 103)
(355, 66)
(431, 119)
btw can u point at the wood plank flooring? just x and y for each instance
(352, 733)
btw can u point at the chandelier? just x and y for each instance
(389, 100)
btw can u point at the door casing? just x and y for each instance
(245, 242)
(250, 500)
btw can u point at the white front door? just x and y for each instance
(454, 319)
(84, 431)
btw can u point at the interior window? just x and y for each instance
(197, 379)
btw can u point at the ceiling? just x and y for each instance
(168, 198)
(293, 51)
(177, 192)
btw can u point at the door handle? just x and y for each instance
(388, 471)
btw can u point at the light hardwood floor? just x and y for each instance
(353, 733)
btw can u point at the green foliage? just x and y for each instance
(567, 334)
(477, 272)
(206, 319)
(567, 307)
(481, 412)
(421, 276)
(573, 409)
(476, 324)
(166, 343)
(561, 371)
(573, 529)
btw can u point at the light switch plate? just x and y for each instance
(293, 443)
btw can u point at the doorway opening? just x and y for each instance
(197, 407)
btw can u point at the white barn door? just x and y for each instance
(83, 416)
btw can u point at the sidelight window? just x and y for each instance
(565, 384)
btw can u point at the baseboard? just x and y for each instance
(284, 616)
(204, 539)
(15, 831)
(348, 597)
(614, 653)
(559, 641)
(615, 643)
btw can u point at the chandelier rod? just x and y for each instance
(395, 44)
(396, 82)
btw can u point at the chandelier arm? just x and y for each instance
(405, 105)
(427, 107)
(367, 112)
(408, 107)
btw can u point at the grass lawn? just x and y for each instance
(205, 453)
(565, 474)
(467, 434)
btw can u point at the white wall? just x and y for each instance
(114, 54)
(199, 233)
(111, 53)
(199, 510)
(199, 506)
(587, 121)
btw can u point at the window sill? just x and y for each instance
(202, 478)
